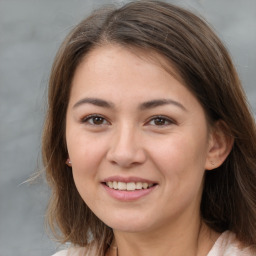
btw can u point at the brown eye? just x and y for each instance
(95, 120)
(160, 121)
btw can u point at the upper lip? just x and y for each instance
(128, 179)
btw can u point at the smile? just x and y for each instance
(128, 186)
(128, 189)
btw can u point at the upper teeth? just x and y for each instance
(128, 186)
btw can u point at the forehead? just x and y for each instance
(144, 54)
(115, 73)
(108, 53)
(117, 64)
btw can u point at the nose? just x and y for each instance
(126, 148)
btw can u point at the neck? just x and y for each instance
(191, 238)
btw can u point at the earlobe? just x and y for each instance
(220, 145)
(68, 162)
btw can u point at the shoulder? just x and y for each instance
(76, 251)
(61, 253)
(228, 245)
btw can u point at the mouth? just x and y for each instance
(128, 186)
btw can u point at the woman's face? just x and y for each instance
(138, 141)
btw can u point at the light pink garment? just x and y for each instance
(226, 245)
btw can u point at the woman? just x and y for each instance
(149, 146)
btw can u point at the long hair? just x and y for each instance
(203, 63)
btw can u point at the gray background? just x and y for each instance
(30, 33)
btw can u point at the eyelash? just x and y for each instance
(167, 121)
(92, 118)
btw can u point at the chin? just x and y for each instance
(129, 224)
(129, 228)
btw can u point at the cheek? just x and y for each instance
(86, 158)
(86, 154)
(84, 150)
(180, 159)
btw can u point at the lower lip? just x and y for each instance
(124, 195)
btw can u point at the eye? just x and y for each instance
(95, 120)
(160, 121)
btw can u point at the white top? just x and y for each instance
(225, 245)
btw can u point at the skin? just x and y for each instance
(127, 139)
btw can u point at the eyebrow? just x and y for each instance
(145, 105)
(94, 101)
(160, 102)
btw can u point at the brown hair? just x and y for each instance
(187, 42)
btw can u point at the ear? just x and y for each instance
(220, 145)
(68, 162)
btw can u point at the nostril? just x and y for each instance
(126, 153)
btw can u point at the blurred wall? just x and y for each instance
(30, 33)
